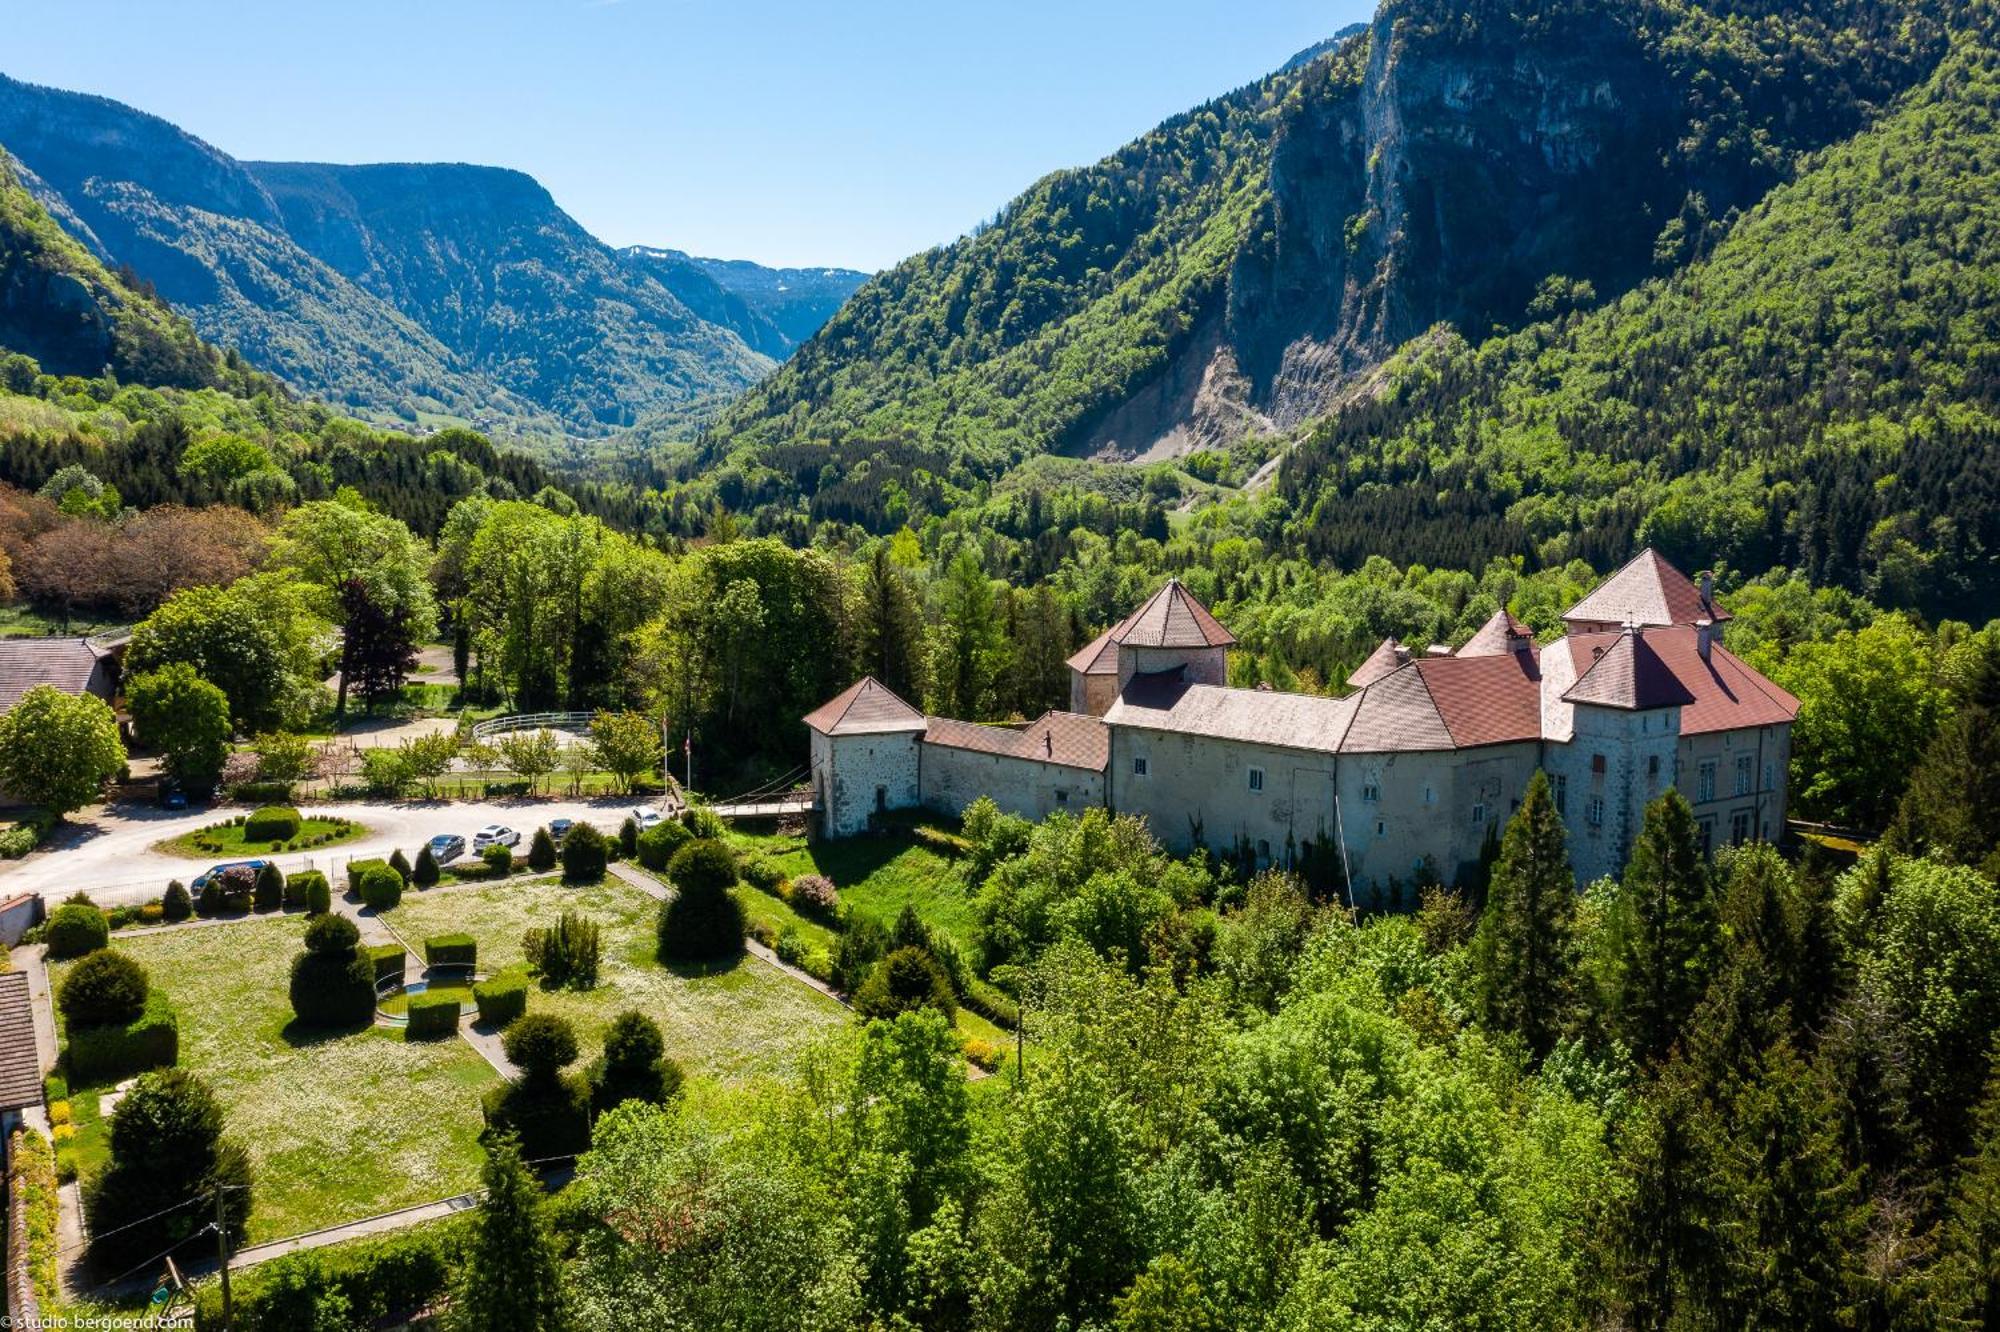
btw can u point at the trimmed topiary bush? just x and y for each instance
(107, 1053)
(628, 837)
(548, 1112)
(401, 864)
(388, 961)
(634, 1065)
(272, 823)
(426, 871)
(333, 982)
(76, 928)
(431, 1017)
(269, 892)
(382, 888)
(658, 843)
(356, 869)
(583, 855)
(298, 888)
(541, 1045)
(105, 989)
(330, 935)
(176, 904)
(501, 999)
(541, 851)
(319, 896)
(450, 950)
(703, 919)
(499, 861)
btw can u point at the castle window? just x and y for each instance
(1596, 812)
(1138, 765)
(1597, 764)
(1768, 783)
(1371, 789)
(1381, 828)
(1652, 765)
(1562, 793)
(1743, 775)
(1062, 797)
(1704, 783)
(1263, 852)
(1256, 779)
(1430, 796)
(1740, 824)
(1479, 812)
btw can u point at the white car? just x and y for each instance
(494, 834)
(646, 816)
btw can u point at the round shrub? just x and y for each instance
(382, 888)
(332, 936)
(176, 904)
(763, 876)
(106, 989)
(333, 989)
(319, 896)
(272, 823)
(269, 892)
(815, 895)
(904, 981)
(542, 851)
(628, 837)
(499, 861)
(703, 919)
(540, 1044)
(76, 928)
(583, 855)
(658, 843)
(634, 1065)
(550, 1116)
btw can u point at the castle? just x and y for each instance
(1401, 779)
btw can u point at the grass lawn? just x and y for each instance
(227, 839)
(879, 876)
(735, 1021)
(338, 1125)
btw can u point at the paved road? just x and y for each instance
(108, 851)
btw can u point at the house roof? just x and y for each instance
(72, 665)
(1387, 656)
(1624, 670)
(1164, 702)
(1097, 657)
(20, 1061)
(1647, 591)
(1066, 738)
(1501, 634)
(1721, 693)
(866, 707)
(1486, 700)
(1172, 618)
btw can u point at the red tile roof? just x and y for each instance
(1486, 700)
(1725, 693)
(1066, 738)
(865, 707)
(1097, 657)
(1647, 591)
(1172, 618)
(1387, 656)
(1397, 714)
(1623, 670)
(1501, 633)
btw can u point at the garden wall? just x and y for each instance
(18, 915)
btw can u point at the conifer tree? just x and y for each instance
(891, 625)
(426, 871)
(542, 852)
(1522, 949)
(1666, 930)
(1965, 1281)
(511, 1277)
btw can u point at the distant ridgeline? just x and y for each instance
(1558, 277)
(420, 294)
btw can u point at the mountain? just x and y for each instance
(419, 293)
(771, 309)
(1238, 270)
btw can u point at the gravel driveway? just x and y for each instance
(108, 852)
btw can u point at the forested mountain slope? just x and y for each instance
(423, 294)
(1233, 270)
(1821, 391)
(771, 309)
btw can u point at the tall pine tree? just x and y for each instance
(1666, 930)
(1523, 948)
(511, 1277)
(891, 625)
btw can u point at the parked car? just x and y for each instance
(559, 829)
(646, 816)
(495, 834)
(447, 847)
(172, 797)
(201, 880)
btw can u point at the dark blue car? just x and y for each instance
(201, 880)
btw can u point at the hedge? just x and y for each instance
(76, 928)
(272, 823)
(432, 1016)
(501, 999)
(381, 888)
(299, 889)
(371, 1281)
(105, 989)
(388, 960)
(106, 1054)
(25, 836)
(269, 793)
(357, 868)
(451, 950)
(992, 1003)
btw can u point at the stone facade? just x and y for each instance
(950, 779)
(857, 777)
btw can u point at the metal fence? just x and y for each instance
(573, 722)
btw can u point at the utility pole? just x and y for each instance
(222, 1257)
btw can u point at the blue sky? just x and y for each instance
(789, 133)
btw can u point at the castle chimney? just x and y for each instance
(1704, 632)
